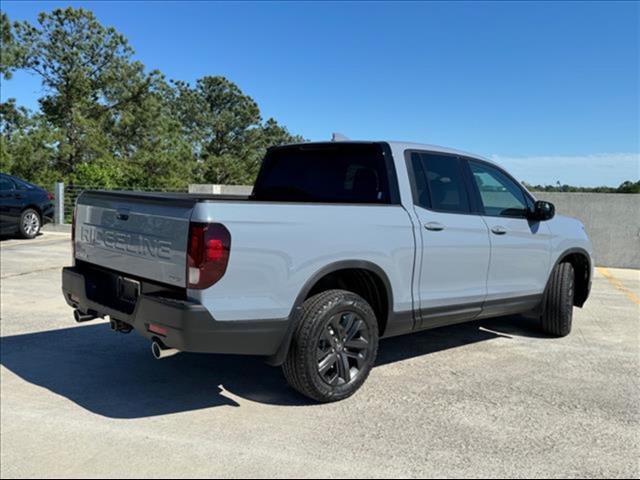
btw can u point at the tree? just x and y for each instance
(629, 187)
(84, 68)
(27, 144)
(625, 187)
(225, 130)
(11, 52)
(12, 118)
(151, 139)
(105, 121)
(275, 134)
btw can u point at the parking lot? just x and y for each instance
(489, 398)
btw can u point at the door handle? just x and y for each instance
(434, 226)
(499, 230)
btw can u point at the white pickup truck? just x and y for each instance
(340, 244)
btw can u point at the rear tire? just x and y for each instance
(557, 315)
(30, 223)
(334, 346)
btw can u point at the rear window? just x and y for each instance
(324, 173)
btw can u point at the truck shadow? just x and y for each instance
(115, 375)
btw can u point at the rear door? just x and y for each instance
(520, 248)
(455, 243)
(143, 235)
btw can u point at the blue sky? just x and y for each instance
(550, 90)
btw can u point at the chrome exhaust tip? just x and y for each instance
(82, 317)
(159, 351)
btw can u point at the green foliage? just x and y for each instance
(26, 144)
(88, 76)
(225, 128)
(100, 172)
(629, 187)
(106, 122)
(11, 52)
(624, 187)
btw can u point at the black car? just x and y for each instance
(24, 207)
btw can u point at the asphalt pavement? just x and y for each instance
(488, 398)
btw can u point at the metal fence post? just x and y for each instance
(58, 213)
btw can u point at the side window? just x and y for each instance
(6, 184)
(18, 185)
(500, 195)
(421, 192)
(439, 183)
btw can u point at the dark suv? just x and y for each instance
(24, 207)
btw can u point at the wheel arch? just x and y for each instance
(581, 262)
(32, 206)
(363, 277)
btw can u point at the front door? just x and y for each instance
(520, 248)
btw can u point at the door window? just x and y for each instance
(439, 184)
(6, 184)
(500, 195)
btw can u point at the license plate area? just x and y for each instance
(128, 290)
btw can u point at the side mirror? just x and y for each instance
(542, 211)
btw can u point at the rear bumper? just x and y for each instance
(189, 325)
(47, 213)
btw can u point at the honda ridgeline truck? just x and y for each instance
(340, 244)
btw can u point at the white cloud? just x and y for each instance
(608, 169)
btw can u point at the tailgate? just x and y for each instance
(142, 234)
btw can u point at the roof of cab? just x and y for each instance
(394, 145)
(399, 145)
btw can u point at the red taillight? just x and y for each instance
(207, 254)
(50, 196)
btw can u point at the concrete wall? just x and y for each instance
(612, 221)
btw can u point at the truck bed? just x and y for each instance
(164, 196)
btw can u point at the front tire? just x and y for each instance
(30, 223)
(557, 315)
(334, 346)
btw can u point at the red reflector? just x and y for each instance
(157, 329)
